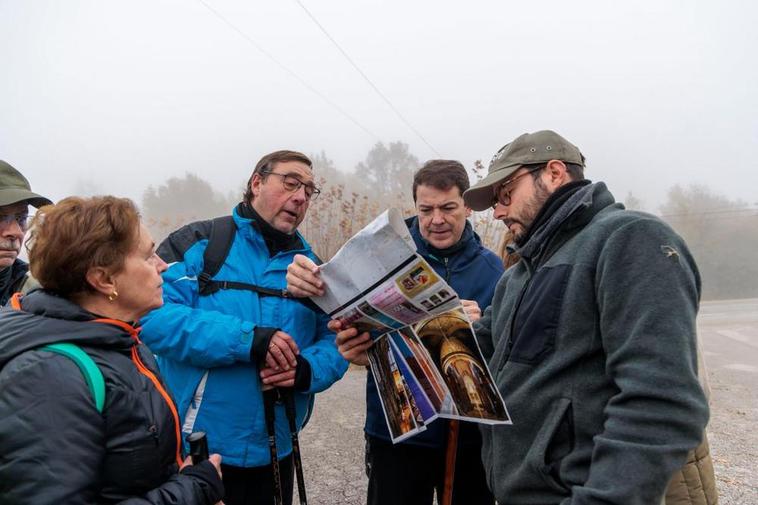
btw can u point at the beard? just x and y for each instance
(532, 207)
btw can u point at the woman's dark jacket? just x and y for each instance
(55, 447)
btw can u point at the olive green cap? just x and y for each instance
(527, 149)
(14, 188)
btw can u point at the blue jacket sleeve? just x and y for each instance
(327, 365)
(200, 337)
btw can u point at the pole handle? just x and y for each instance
(198, 443)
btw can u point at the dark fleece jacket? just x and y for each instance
(12, 279)
(592, 342)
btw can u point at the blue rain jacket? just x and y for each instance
(194, 335)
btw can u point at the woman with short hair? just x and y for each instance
(58, 442)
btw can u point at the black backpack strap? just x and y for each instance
(220, 241)
(213, 286)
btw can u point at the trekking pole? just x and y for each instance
(269, 399)
(289, 408)
(450, 453)
(198, 444)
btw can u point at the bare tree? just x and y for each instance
(631, 202)
(388, 170)
(181, 200)
(723, 237)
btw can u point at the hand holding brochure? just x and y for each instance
(425, 358)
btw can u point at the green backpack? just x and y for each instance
(86, 364)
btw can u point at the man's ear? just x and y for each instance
(101, 280)
(255, 184)
(557, 174)
(468, 211)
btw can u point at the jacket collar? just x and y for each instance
(45, 318)
(249, 226)
(462, 252)
(9, 277)
(572, 211)
(276, 241)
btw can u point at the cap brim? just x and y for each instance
(479, 196)
(9, 196)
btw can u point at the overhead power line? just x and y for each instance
(370, 83)
(287, 69)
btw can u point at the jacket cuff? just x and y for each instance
(302, 375)
(205, 474)
(261, 339)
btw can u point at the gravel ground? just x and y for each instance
(733, 438)
(333, 444)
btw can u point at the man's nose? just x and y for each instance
(299, 196)
(438, 217)
(500, 211)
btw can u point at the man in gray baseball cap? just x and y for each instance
(15, 197)
(529, 153)
(591, 337)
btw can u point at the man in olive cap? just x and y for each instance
(591, 337)
(15, 197)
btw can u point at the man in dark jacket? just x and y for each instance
(15, 197)
(409, 472)
(591, 337)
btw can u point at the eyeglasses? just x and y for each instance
(292, 184)
(503, 192)
(21, 219)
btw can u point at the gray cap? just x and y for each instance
(14, 188)
(527, 149)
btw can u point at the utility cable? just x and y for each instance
(288, 70)
(370, 83)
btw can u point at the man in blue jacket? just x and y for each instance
(218, 347)
(411, 471)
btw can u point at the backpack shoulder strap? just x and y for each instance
(86, 364)
(223, 230)
(220, 242)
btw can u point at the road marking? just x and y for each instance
(739, 337)
(742, 368)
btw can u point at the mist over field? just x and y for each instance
(172, 102)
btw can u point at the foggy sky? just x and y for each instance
(111, 96)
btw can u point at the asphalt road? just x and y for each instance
(728, 333)
(332, 443)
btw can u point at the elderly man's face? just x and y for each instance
(12, 230)
(281, 208)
